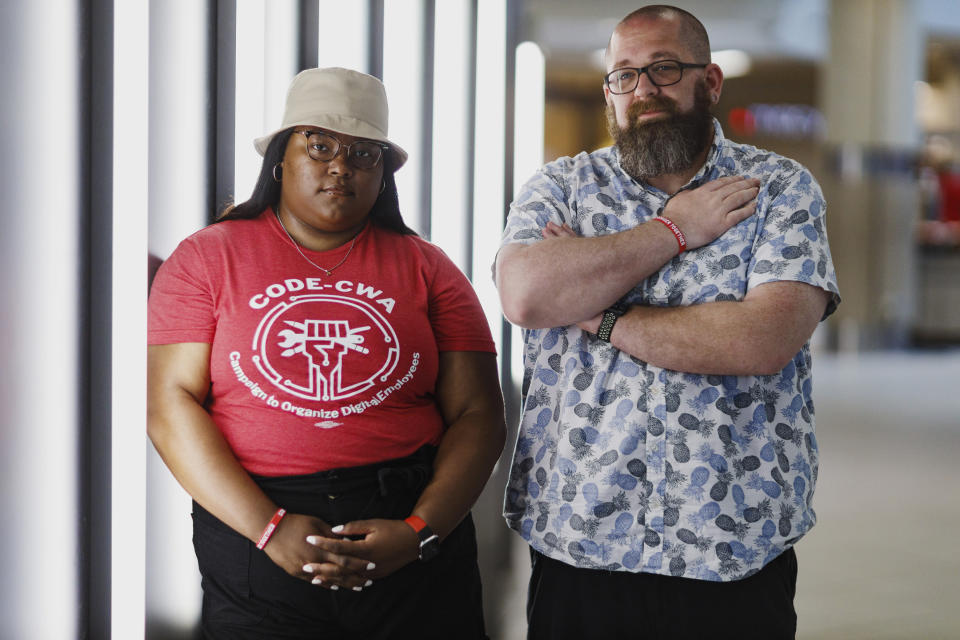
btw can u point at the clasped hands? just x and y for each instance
(310, 549)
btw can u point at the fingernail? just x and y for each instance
(337, 529)
(312, 539)
(371, 566)
(317, 580)
(358, 588)
(308, 568)
(368, 583)
(334, 588)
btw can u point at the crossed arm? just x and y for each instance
(570, 280)
(200, 458)
(754, 336)
(566, 279)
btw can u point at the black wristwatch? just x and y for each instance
(609, 319)
(429, 541)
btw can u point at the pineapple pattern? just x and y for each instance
(624, 466)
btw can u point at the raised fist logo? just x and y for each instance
(332, 347)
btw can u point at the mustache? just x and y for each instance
(655, 103)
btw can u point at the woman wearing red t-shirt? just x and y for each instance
(323, 383)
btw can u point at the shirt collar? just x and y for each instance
(713, 157)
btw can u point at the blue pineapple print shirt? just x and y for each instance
(625, 466)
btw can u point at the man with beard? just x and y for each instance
(668, 287)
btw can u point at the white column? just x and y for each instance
(451, 144)
(489, 155)
(40, 590)
(179, 77)
(403, 72)
(266, 63)
(343, 34)
(129, 322)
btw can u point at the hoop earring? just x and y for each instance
(383, 186)
(275, 178)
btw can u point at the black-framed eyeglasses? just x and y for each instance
(362, 154)
(662, 73)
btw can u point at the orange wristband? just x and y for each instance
(416, 523)
(669, 224)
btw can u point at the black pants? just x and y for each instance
(569, 602)
(246, 596)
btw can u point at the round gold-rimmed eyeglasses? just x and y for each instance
(362, 154)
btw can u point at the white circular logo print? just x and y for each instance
(325, 347)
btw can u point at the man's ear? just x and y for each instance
(713, 75)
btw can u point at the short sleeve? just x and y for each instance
(791, 244)
(540, 200)
(456, 317)
(181, 304)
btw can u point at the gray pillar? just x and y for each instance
(875, 57)
(868, 80)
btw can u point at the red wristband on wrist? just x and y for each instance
(416, 522)
(274, 521)
(669, 224)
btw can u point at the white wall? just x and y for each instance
(39, 332)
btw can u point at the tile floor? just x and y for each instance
(882, 562)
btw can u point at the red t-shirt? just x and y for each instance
(308, 371)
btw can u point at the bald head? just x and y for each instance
(693, 35)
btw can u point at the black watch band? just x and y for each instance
(606, 324)
(429, 541)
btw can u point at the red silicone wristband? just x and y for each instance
(274, 521)
(416, 522)
(669, 224)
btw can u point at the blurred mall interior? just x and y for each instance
(128, 125)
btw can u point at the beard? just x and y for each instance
(666, 146)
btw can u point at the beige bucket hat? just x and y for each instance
(341, 100)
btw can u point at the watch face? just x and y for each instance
(429, 548)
